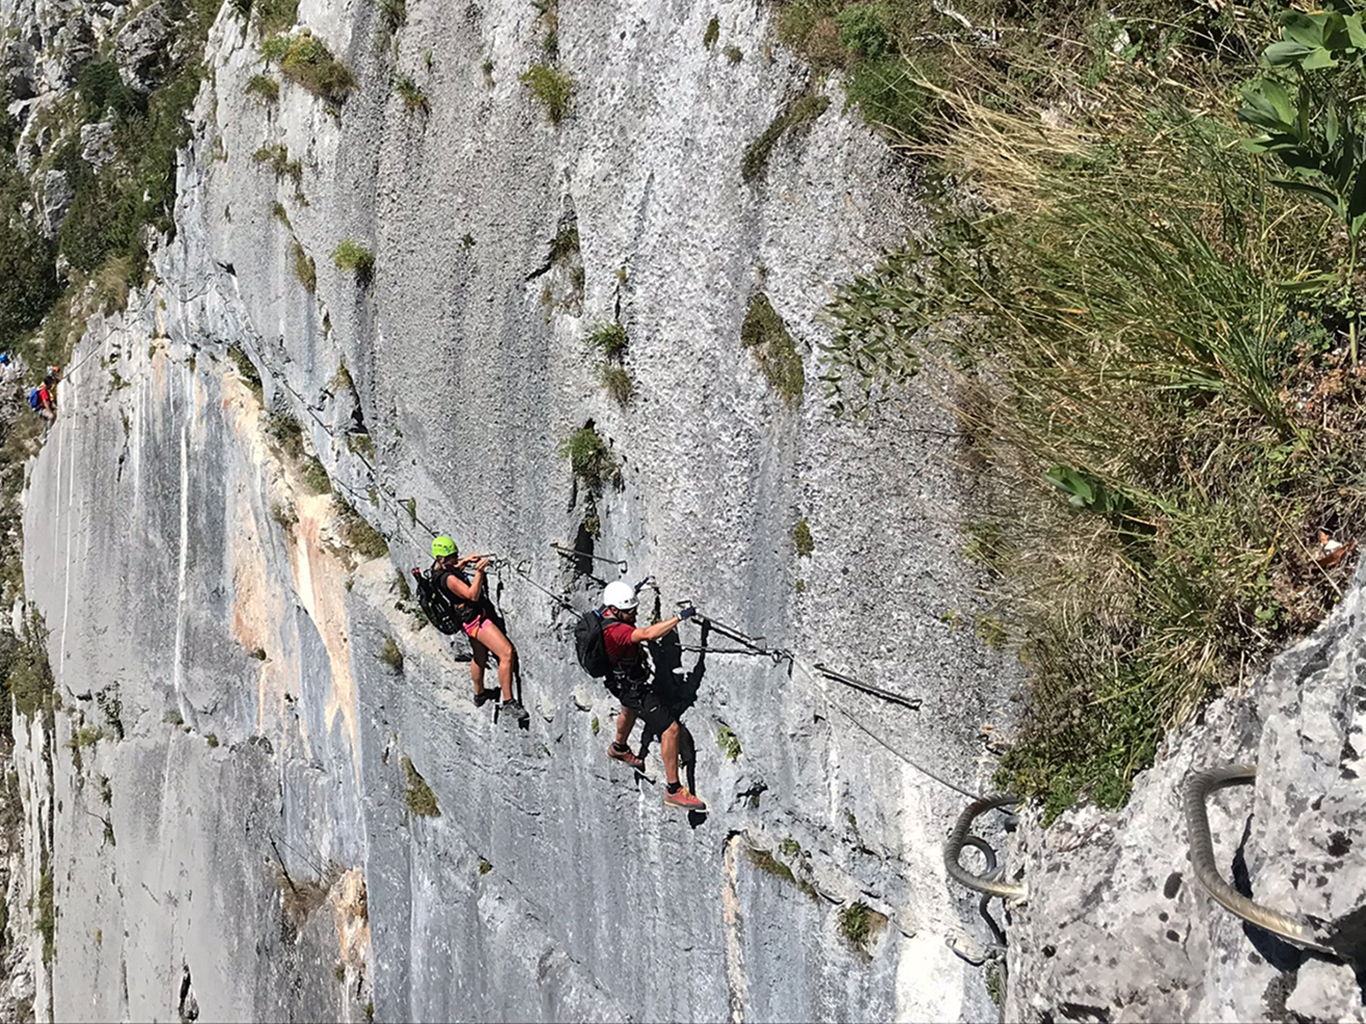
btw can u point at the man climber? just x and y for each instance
(467, 597)
(629, 682)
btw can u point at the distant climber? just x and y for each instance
(628, 678)
(42, 401)
(467, 598)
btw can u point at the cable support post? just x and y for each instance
(569, 552)
(913, 703)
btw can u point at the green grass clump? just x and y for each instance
(801, 535)
(358, 534)
(1161, 406)
(286, 433)
(609, 338)
(554, 89)
(713, 32)
(305, 59)
(767, 337)
(484, 866)
(315, 476)
(277, 158)
(391, 655)
(590, 458)
(46, 923)
(859, 925)
(393, 14)
(30, 681)
(411, 93)
(275, 16)
(728, 742)
(351, 255)
(305, 270)
(263, 86)
(794, 117)
(618, 383)
(246, 369)
(419, 797)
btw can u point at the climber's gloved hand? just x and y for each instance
(687, 612)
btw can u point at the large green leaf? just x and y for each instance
(1317, 60)
(1356, 204)
(1313, 191)
(1305, 29)
(1355, 32)
(1267, 105)
(1285, 52)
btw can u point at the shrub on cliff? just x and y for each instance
(305, 59)
(553, 88)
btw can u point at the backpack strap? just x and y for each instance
(464, 610)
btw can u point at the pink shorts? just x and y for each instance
(472, 628)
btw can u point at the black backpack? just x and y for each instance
(438, 607)
(590, 645)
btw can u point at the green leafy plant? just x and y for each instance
(305, 59)
(411, 93)
(264, 86)
(554, 89)
(351, 255)
(728, 742)
(419, 796)
(391, 655)
(713, 32)
(793, 118)
(859, 924)
(1317, 133)
(767, 338)
(590, 458)
(609, 339)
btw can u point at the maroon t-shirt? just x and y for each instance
(616, 637)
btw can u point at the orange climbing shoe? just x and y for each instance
(626, 756)
(682, 798)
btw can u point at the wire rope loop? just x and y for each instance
(1197, 789)
(959, 838)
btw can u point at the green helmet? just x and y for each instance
(442, 547)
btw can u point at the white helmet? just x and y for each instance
(620, 595)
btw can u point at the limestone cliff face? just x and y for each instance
(252, 853)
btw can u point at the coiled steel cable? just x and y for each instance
(1197, 788)
(959, 838)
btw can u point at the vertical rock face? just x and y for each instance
(269, 716)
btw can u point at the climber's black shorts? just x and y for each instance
(645, 702)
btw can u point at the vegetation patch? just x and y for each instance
(314, 475)
(794, 117)
(590, 458)
(728, 742)
(609, 339)
(767, 338)
(305, 270)
(246, 369)
(1164, 407)
(391, 655)
(713, 32)
(860, 924)
(264, 86)
(277, 158)
(419, 797)
(801, 536)
(358, 534)
(411, 93)
(351, 255)
(764, 861)
(286, 433)
(305, 59)
(553, 88)
(618, 383)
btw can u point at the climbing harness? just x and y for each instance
(907, 702)
(568, 552)
(989, 883)
(1201, 846)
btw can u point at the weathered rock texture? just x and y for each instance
(207, 617)
(1118, 928)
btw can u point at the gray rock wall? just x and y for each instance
(553, 884)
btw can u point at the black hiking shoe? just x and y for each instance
(484, 696)
(514, 708)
